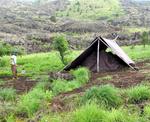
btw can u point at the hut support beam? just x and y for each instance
(98, 46)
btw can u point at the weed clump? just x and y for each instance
(147, 112)
(138, 94)
(82, 75)
(59, 86)
(31, 102)
(121, 115)
(106, 94)
(91, 112)
(7, 94)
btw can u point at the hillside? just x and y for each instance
(34, 24)
(42, 84)
(92, 9)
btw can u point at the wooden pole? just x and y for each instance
(98, 46)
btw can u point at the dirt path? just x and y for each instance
(22, 84)
(120, 79)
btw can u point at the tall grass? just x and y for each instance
(121, 115)
(94, 113)
(7, 94)
(138, 53)
(82, 75)
(11, 118)
(147, 112)
(89, 113)
(34, 64)
(106, 95)
(59, 86)
(138, 94)
(29, 103)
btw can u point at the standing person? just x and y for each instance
(14, 65)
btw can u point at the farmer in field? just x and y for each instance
(14, 65)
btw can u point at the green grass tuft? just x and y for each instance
(121, 115)
(7, 94)
(146, 114)
(29, 103)
(82, 75)
(89, 113)
(106, 95)
(138, 94)
(59, 86)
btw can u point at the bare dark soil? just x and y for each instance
(22, 84)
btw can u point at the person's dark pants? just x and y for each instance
(14, 70)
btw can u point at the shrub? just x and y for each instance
(61, 45)
(107, 95)
(7, 94)
(82, 75)
(138, 94)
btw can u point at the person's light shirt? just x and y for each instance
(13, 60)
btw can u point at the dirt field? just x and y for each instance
(22, 84)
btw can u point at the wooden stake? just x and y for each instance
(98, 46)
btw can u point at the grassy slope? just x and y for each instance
(131, 29)
(139, 53)
(36, 64)
(92, 9)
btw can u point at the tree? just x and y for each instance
(61, 45)
(145, 38)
